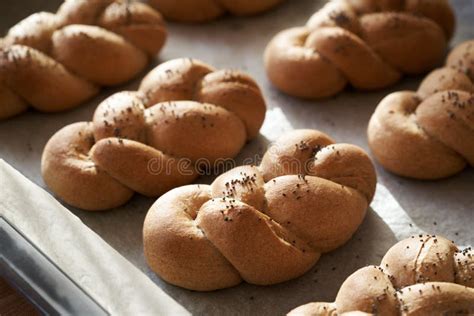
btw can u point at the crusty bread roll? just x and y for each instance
(54, 62)
(367, 43)
(429, 134)
(206, 10)
(265, 224)
(421, 275)
(186, 114)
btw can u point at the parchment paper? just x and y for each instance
(99, 269)
(444, 207)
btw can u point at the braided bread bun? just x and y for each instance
(421, 275)
(54, 62)
(144, 141)
(206, 10)
(429, 134)
(367, 43)
(265, 224)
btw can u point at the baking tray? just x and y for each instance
(444, 207)
(40, 280)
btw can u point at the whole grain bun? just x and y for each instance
(429, 134)
(206, 10)
(265, 224)
(421, 275)
(369, 44)
(54, 62)
(185, 115)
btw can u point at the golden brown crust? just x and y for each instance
(21, 64)
(195, 11)
(35, 31)
(57, 61)
(79, 47)
(81, 11)
(188, 241)
(202, 121)
(270, 223)
(140, 24)
(189, 79)
(417, 276)
(314, 309)
(147, 147)
(369, 44)
(429, 134)
(114, 156)
(68, 171)
(291, 157)
(13, 104)
(439, 11)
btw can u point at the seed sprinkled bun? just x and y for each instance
(54, 62)
(367, 43)
(152, 140)
(429, 134)
(265, 224)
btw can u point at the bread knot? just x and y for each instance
(369, 44)
(421, 275)
(429, 134)
(206, 10)
(54, 62)
(184, 118)
(265, 224)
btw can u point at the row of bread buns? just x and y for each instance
(271, 223)
(429, 139)
(105, 42)
(56, 61)
(186, 110)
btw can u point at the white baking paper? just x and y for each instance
(95, 266)
(401, 206)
